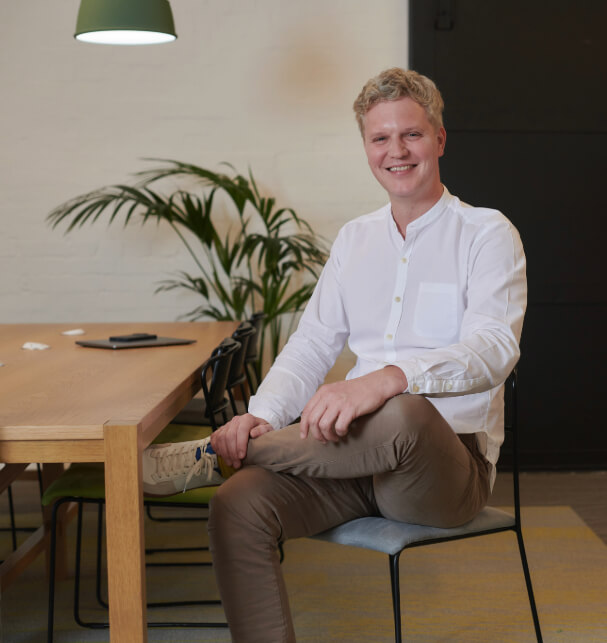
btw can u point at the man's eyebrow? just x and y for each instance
(384, 130)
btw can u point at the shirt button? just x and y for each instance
(397, 299)
(388, 336)
(449, 386)
(404, 259)
(415, 388)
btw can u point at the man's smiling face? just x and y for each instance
(403, 149)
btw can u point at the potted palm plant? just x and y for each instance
(268, 259)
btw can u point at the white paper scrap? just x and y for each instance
(75, 331)
(35, 346)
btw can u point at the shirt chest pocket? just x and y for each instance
(436, 310)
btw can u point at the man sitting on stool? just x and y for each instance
(430, 294)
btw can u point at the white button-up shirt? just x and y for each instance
(445, 305)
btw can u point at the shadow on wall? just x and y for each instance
(306, 71)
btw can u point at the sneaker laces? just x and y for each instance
(205, 465)
(181, 459)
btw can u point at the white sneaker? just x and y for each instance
(172, 468)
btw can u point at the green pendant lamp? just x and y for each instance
(125, 22)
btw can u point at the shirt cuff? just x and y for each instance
(422, 383)
(261, 411)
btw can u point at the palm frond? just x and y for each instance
(237, 268)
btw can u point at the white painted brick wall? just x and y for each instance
(262, 83)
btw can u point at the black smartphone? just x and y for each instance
(133, 337)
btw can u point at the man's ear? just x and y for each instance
(442, 140)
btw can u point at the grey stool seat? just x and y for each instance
(392, 537)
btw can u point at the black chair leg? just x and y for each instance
(13, 528)
(104, 604)
(50, 626)
(536, 620)
(395, 584)
(77, 571)
(50, 631)
(77, 567)
(100, 599)
(11, 510)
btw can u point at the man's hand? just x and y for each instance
(230, 441)
(328, 414)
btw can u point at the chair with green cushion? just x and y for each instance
(252, 359)
(245, 334)
(215, 375)
(203, 412)
(195, 411)
(85, 484)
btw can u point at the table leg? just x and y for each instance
(125, 539)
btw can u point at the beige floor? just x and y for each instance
(584, 491)
(320, 578)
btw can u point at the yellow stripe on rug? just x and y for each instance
(469, 591)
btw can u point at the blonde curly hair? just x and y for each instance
(396, 83)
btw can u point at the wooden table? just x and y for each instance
(75, 404)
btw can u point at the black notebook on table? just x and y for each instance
(116, 344)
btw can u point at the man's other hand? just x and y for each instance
(231, 440)
(328, 414)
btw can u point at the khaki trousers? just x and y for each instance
(402, 462)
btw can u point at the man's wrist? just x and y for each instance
(396, 380)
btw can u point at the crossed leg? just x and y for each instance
(403, 462)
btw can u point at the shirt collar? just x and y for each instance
(426, 219)
(432, 214)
